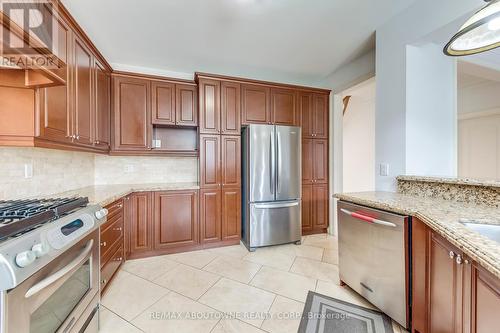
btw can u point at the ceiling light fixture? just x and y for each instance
(480, 33)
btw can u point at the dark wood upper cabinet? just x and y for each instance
(307, 208)
(210, 111)
(305, 103)
(320, 116)
(210, 161)
(230, 108)
(83, 109)
(175, 219)
(163, 103)
(231, 160)
(132, 119)
(231, 213)
(210, 215)
(255, 104)
(186, 110)
(320, 161)
(102, 105)
(55, 102)
(138, 221)
(283, 107)
(320, 206)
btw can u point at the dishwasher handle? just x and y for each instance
(368, 219)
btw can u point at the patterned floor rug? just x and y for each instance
(323, 314)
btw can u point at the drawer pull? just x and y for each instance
(119, 259)
(103, 244)
(104, 281)
(452, 255)
(117, 229)
(459, 259)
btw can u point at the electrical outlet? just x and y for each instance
(28, 170)
(129, 168)
(156, 143)
(384, 169)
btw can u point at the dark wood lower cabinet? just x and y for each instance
(307, 208)
(451, 293)
(231, 214)
(314, 209)
(175, 219)
(140, 226)
(210, 215)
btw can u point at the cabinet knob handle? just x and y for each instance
(452, 254)
(117, 229)
(103, 244)
(104, 281)
(459, 259)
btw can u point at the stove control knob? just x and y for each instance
(100, 214)
(25, 258)
(40, 249)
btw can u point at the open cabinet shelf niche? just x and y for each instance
(175, 140)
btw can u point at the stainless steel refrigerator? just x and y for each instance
(271, 195)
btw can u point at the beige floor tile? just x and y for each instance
(235, 326)
(235, 269)
(154, 318)
(109, 322)
(305, 251)
(248, 303)
(316, 269)
(149, 268)
(188, 281)
(197, 259)
(343, 293)
(284, 283)
(331, 257)
(272, 257)
(129, 295)
(236, 251)
(322, 240)
(285, 316)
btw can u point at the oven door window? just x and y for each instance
(56, 309)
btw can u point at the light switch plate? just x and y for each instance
(384, 169)
(28, 170)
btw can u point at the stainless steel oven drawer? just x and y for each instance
(372, 257)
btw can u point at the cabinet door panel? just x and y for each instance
(210, 161)
(443, 286)
(83, 110)
(307, 206)
(231, 160)
(210, 215)
(307, 161)
(231, 213)
(139, 221)
(132, 124)
(320, 161)
(186, 111)
(163, 103)
(320, 116)
(102, 106)
(175, 219)
(283, 106)
(230, 108)
(55, 101)
(320, 206)
(486, 301)
(255, 104)
(306, 114)
(209, 106)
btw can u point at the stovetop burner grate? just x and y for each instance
(20, 216)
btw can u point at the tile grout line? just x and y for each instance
(125, 320)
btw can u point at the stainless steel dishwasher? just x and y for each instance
(374, 257)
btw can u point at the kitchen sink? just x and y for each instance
(491, 231)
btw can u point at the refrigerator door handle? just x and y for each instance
(278, 185)
(277, 205)
(271, 162)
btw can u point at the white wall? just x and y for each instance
(431, 115)
(358, 139)
(409, 27)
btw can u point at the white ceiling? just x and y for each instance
(296, 41)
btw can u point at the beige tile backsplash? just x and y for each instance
(56, 171)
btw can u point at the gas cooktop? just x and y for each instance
(20, 216)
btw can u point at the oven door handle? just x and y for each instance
(62, 272)
(368, 219)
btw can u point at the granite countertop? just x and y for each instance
(451, 180)
(105, 194)
(444, 217)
